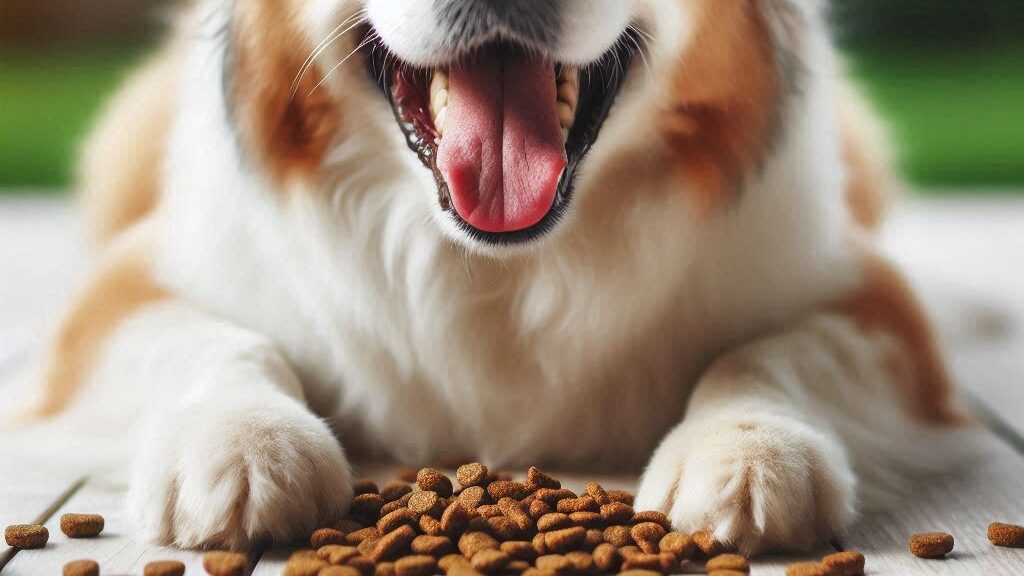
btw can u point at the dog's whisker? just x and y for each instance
(361, 45)
(333, 37)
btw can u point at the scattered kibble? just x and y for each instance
(164, 568)
(808, 569)
(932, 545)
(219, 563)
(81, 568)
(81, 525)
(26, 536)
(733, 562)
(848, 563)
(1006, 535)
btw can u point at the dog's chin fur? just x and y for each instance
(301, 264)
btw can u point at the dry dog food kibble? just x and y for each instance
(81, 568)
(1006, 535)
(164, 568)
(808, 569)
(81, 525)
(931, 545)
(849, 563)
(224, 563)
(733, 562)
(26, 536)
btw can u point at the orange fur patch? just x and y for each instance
(120, 168)
(727, 91)
(288, 135)
(121, 286)
(870, 176)
(886, 304)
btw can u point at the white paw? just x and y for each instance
(214, 475)
(764, 484)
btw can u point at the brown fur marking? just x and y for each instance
(870, 176)
(288, 135)
(727, 90)
(121, 286)
(120, 168)
(886, 304)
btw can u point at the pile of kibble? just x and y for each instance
(492, 525)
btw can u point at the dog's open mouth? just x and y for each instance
(503, 131)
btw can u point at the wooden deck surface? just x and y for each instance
(967, 255)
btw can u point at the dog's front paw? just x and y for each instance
(765, 484)
(229, 476)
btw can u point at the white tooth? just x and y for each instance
(440, 119)
(439, 80)
(570, 75)
(565, 135)
(438, 101)
(566, 115)
(568, 93)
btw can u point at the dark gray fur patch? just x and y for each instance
(536, 23)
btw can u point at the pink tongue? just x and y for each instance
(502, 153)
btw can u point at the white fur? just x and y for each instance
(413, 341)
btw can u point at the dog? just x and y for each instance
(575, 233)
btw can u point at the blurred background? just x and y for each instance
(948, 74)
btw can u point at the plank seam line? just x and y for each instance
(995, 423)
(46, 515)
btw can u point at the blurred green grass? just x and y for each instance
(958, 118)
(48, 101)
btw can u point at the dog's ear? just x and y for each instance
(284, 123)
(729, 89)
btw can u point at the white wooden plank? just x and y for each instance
(117, 550)
(963, 504)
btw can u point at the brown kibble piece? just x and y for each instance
(587, 519)
(418, 565)
(514, 511)
(653, 516)
(348, 525)
(647, 532)
(581, 504)
(733, 562)
(1006, 535)
(473, 496)
(502, 528)
(218, 563)
(706, 542)
(593, 539)
(394, 490)
(849, 563)
(678, 544)
(430, 526)
(561, 541)
(516, 567)
(367, 504)
(361, 534)
(932, 545)
(164, 568)
(326, 536)
(507, 489)
(339, 571)
(536, 479)
(553, 521)
(621, 496)
(539, 508)
(455, 518)
(582, 562)
(473, 474)
(400, 517)
(630, 551)
(618, 536)
(552, 496)
(617, 513)
(366, 566)
(449, 560)
(472, 542)
(365, 487)
(395, 504)
(598, 493)
(538, 544)
(489, 510)
(726, 573)
(81, 525)
(489, 561)
(643, 562)
(26, 536)
(638, 572)
(393, 544)
(429, 479)
(382, 569)
(337, 554)
(436, 546)
(81, 568)
(554, 563)
(808, 569)
(607, 558)
(519, 550)
(366, 547)
(426, 502)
